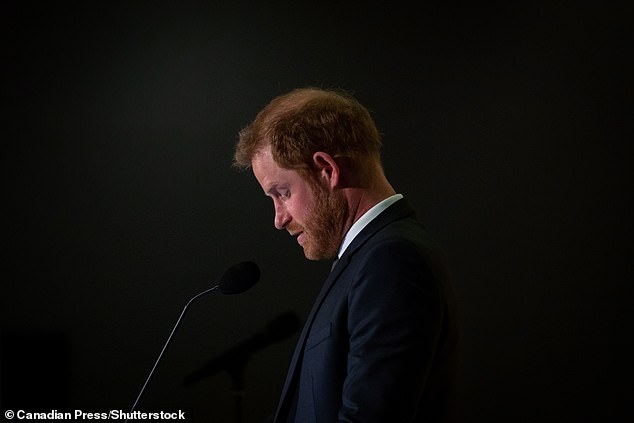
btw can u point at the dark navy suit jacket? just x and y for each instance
(380, 343)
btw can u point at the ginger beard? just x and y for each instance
(323, 228)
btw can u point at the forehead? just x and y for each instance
(269, 174)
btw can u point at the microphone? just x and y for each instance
(275, 330)
(237, 279)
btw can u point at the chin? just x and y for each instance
(311, 255)
(316, 255)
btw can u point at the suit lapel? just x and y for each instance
(293, 368)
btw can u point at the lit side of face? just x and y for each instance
(313, 216)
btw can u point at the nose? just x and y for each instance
(282, 217)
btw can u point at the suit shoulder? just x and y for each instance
(403, 244)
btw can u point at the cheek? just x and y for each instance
(294, 211)
(302, 209)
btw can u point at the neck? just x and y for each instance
(360, 200)
(363, 185)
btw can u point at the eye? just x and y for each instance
(284, 194)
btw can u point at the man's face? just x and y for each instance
(312, 214)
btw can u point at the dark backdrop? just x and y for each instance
(509, 128)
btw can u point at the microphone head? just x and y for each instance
(239, 278)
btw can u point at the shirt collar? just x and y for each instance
(366, 218)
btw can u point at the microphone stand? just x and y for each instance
(236, 372)
(237, 383)
(235, 360)
(169, 338)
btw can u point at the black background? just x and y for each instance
(508, 127)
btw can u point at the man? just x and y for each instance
(380, 344)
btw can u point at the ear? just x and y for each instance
(327, 168)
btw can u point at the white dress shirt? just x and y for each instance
(365, 219)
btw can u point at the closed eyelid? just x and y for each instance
(270, 192)
(280, 192)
